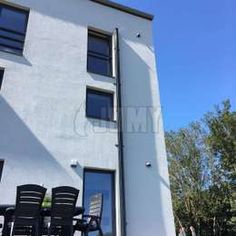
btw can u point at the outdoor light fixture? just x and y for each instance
(148, 164)
(73, 163)
(138, 35)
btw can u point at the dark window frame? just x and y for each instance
(2, 70)
(12, 49)
(100, 56)
(99, 92)
(1, 168)
(113, 188)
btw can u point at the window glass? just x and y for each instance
(13, 22)
(10, 49)
(99, 65)
(99, 45)
(99, 53)
(10, 43)
(99, 105)
(13, 19)
(11, 35)
(101, 182)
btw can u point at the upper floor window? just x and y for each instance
(13, 23)
(1, 77)
(99, 105)
(99, 53)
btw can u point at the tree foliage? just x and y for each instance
(202, 161)
(222, 137)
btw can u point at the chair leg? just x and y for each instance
(32, 231)
(71, 231)
(49, 229)
(37, 230)
(12, 229)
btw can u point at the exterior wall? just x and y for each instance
(43, 124)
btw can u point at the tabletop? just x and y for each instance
(45, 211)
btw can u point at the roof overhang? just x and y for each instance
(123, 8)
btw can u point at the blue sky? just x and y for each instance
(195, 42)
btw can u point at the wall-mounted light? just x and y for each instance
(148, 164)
(138, 35)
(73, 163)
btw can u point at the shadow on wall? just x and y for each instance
(15, 58)
(67, 11)
(26, 158)
(141, 146)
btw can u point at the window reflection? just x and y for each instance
(101, 182)
(13, 22)
(99, 105)
(12, 19)
(99, 53)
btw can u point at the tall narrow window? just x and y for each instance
(101, 182)
(1, 77)
(99, 53)
(13, 23)
(1, 168)
(99, 105)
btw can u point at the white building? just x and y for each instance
(61, 78)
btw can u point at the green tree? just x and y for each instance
(188, 166)
(221, 141)
(202, 171)
(222, 138)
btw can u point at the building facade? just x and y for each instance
(66, 69)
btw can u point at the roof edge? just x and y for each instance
(126, 9)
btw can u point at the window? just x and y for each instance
(1, 76)
(101, 182)
(1, 168)
(13, 22)
(99, 105)
(99, 53)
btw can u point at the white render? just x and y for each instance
(43, 126)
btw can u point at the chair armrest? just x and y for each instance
(92, 219)
(91, 216)
(9, 211)
(79, 221)
(89, 219)
(8, 216)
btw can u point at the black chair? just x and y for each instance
(27, 212)
(92, 222)
(63, 207)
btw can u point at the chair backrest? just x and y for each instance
(29, 199)
(63, 205)
(96, 205)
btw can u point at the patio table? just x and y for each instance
(45, 211)
(8, 218)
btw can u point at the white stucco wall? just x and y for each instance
(42, 116)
